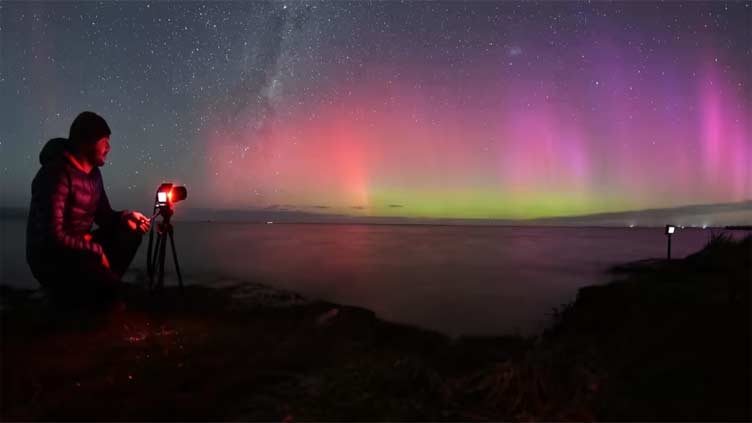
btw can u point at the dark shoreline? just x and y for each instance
(667, 340)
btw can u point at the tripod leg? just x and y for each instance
(162, 247)
(154, 257)
(149, 260)
(175, 258)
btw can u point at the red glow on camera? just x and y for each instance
(168, 194)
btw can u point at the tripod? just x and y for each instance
(156, 262)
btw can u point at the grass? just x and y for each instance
(669, 341)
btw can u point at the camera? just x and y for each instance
(169, 194)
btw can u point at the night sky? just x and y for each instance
(418, 109)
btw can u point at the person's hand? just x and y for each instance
(138, 222)
(105, 262)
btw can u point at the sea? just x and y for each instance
(458, 280)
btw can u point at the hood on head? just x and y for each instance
(53, 150)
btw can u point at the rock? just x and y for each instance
(326, 318)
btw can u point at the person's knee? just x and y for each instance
(124, 242)
(132, 237)
(139, 237)
(134, 241)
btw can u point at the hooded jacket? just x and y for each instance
(65, 201)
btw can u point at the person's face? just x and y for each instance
(98, 152)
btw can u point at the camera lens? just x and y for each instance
(179, 194)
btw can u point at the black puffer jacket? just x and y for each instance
(65, 201)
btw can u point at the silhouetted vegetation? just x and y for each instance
(668, 340)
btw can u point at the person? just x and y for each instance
(72, 263)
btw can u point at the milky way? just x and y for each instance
(418, 109)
